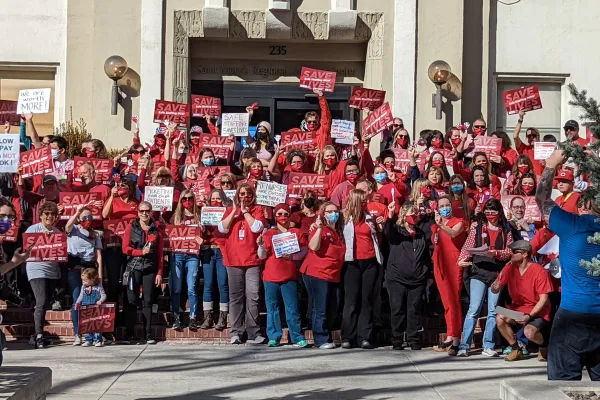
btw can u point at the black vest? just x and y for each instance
(137, 241)
(486, 269)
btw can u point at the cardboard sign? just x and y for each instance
(362, 98)
(305, 141)
(181, 239)
(71, 200)
(172, 112)
(12, 233)
(317, 79)
(270, 193)
(235, 124)
(161, 197)
(342, 129)
(37, 162)
(114, 230)
(401, 159)
(211, 216)
(300, 182)
(8, 112)
(531, 208)
(34, 101)
(523, 99)
(543, 150)
(96, 318)
(377, 121)
(230, 194)
(102, 166)
(202, 105)
(50, 247)
(10, 153)
(489, 145)
(284, 244)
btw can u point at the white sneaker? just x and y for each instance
(462, 353)
(489, 353)
(327, 346)
(235, 340)
(77, 341)
(99, 344)
(86, 344)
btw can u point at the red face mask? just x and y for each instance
(478, 131)
(437, 163)
(425, 191)
(297, 167)
(389, 166)
(256, 172)
(195, 140)
(282, 220)
(122, 191)
(402, 142)
(160, 142)
(330, 162)
(90, 154)
(352, 178)
(456, 141)
(187, 204)
(86, 224)
(523, 169)
(528, 189)
(437, 143)
(215, 204)
(135, 157)
(493, 218)
(312, 127)
(411, 220)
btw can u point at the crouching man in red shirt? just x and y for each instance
(528, 287)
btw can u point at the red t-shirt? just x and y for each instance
(525, 290)
(240, 249)
(364, 248)
(280, 269)
(302, 222)
(122, 210)
(459, 211)
(326, 263)
(568, 202)
(538, 168)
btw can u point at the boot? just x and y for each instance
(176, 322)
(222, 323)
(208, 322)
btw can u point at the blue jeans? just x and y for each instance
(212, 262)
(318, 290)
(289, 293)
(74, 282)
(93, 337)
(478, 292)
(183, 264)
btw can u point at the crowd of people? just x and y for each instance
(379, 229)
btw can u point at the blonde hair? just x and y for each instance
(91, 275)
(438, 170)
(162, 173)
(319, 166)
(406, 207)
(415, 193)
(179, 214)
(397, 133)
(353, 210)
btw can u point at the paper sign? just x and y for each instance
(221, 146)
(102, 167)
(317, 79)
(230, 194)
(543, 150)
(270, 193)
(532, 210)
(114, 230)
(235, 124)
(34, 101)
(523, 99)
(9, 153)
(285, 243)
(516, 315)
(305, 141)
(12, 233)
(8, 112)
(342, 129)
(37, 162)
(362, 98)
(169, 111)
(211, 216)
(488, 145)
(401, 159)
(202, 105)
(377, 121)
(551, 247)
(97, 318)
(299, 183)
(71, 200)
(181, 239)
(161, 197)
(50, 247)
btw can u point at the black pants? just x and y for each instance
(574, 344)
(359, 291)
(145, 279)
(405, 303)
(115, 262)
(42, 291)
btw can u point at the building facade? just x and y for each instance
(247, 51)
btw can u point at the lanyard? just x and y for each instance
(565, 199)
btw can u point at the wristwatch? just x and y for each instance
(520, 121)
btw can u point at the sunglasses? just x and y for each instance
(144, 211)
(402, 137)
(352, 172)
(569, 129)
(531, 136)
(187, 198)
(491, 212)
(50, 214)
(87, 218)
(479, 126)
(139, 152)
(226, 182)
(282, 215)
(311, 122)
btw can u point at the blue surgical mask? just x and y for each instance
(5, 225)
(457, 188)
(209, 162)
(54, 154)
(381, 177)
(333, 217)
(446, 212)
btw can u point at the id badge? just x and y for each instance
(242, 234)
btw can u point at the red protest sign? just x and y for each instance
(532, 210)
(220, 145)
(523, 99)
(311, 78)
(102, 167)
(50, 247)
(8, 112)
(12, 233)
(37, 162)
(202, 105)
(298, 140)
(300, 182)
(97, 318)
(181, 239)
(114, 230)
(212, 175)
(362, 98)
(70, 201)
(401, 159)
(377, 121)
(172, 112)
(488, 145)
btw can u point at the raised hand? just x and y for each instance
(318, 92)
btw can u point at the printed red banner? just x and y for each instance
(8, 112)
(172, 112)
(102, 166)
(37, 162)
(97, 318)
(401, 159)
(181, 239)
(114, 230)
(212, 175)
(300, 182)
(12, 234)
(532, 210)
(311, 78)
(305, 141)
(489, 145)
(523, 99)
(71, 200)
(377, 121)
(220, 145)
(51, 247)
(202, 105)
(201, 189)
(362, 98)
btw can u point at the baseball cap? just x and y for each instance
(571, 124)
(565, 175)
(49, 178)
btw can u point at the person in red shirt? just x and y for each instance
(322, 269)
(241, 225)
(437, 180)
(528, 286)
(533, 136)
(86, 182)
(401, 139)
(304, 218)
(280, 278)
(523, 166)
(480, 189)
(463, 206)
(389, 186)
(508, 156)
(479, 159)
(568, 199)
(571, 129)
(121, 204)
(339, 195)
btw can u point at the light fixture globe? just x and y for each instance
(439, 72)
(115, 67)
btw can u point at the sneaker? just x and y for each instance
(56, 306)
(302, 344)
(489, 353)
(514, 355)
(86, 344)
(235, 340)
(98, 343)
(77, 340)
(126, 341)
(462, 353)
(257, 340)
(39, 343)
(542, 354)
(399, 346)
(150, 340)
(327, 346)
(507, 350)
(273, 343)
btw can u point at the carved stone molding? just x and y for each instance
(247, 24)
(310, 26)
(372, 27)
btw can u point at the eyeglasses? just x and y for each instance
(518, 208)
(311, 122)
(569, 128)
(282, 214)
(10, 217)
(491, 212)
(187, 198)
(87, 218)
(354, 172)
(144, 211)
(479, 126)
(50, 214)
(226, 183)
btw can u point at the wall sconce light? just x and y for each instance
(439, 72)
(115, 67)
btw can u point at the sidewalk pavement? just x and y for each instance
(211, 372)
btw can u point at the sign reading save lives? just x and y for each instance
(523, 99)
(377, 121)
(362, 98)
(34, 101)
(235, 124)
(311, 78)
(171, 111)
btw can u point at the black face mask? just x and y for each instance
(264, 136)
(309, 202)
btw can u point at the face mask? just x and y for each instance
(478, 131)
(528, 189)
(135, 157)
(493, 218)
(456, 141)
(297, 167)
(330, 162)
(446, 212)
(256, 172)
(388, 165)
(313, 127)
(208, 162)
(333, 217)
(457, 188)
(54, 154)
(187, 204)
(425, 191)
(195, 140)
(122, 191)
(160, 142)
(90, 154)
(437, 143)
(352, 178)
(411, 220)
(380, 178)
(309, 202)
(5, 225)
(86, 224)
(437, 163)
(263, 136)
(215, 204)
(402, 142)
(523, 169)
(282, 220)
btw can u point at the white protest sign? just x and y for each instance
(34, 101)
(230, 194)
(543, 150)
(270, 193)
(234, 124)
(9, 153)
(285, 243)
(342, 129)
(161, 197)
(211, 216)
